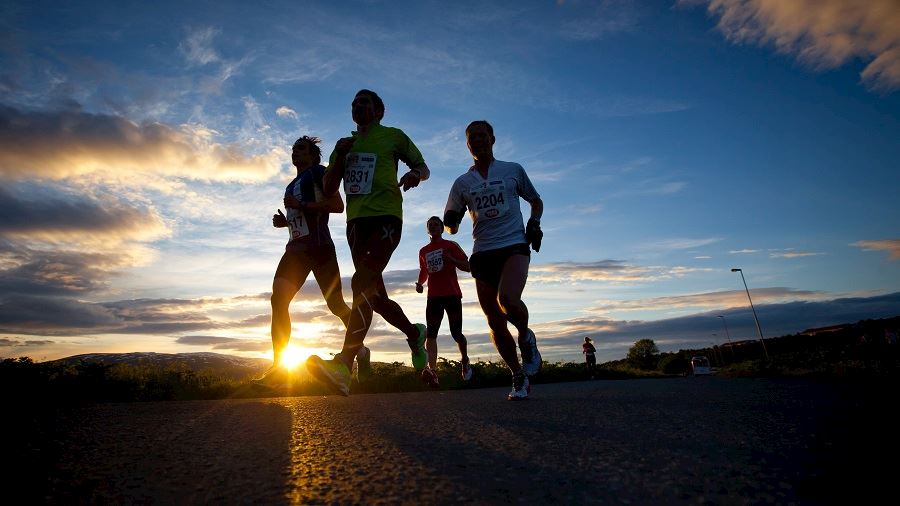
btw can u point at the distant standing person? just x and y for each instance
(490, 190)
(590, 360)
(367, 165)
(438, 261)
(309, 246)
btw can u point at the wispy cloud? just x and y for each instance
(793, 254)
(679, 244)
(605, 270)
(892, 246)
(598, 19)
(821, 33)
(197, 47)
(745, 251)
(709, 300)
(68, 143)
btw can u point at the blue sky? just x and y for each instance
(145, 146)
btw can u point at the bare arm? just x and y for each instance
(460, 260)
(537, 209)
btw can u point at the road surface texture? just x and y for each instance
(662, 441)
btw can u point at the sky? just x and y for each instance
(145, 146)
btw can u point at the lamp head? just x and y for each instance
(735, 270)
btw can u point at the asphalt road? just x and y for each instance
(665, 441)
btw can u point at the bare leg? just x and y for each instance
(496, 318)
(512, 284)
(328, 276)
(283, 291)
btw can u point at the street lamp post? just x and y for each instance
(758, 328)
(727, 336)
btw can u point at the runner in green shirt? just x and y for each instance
(367, 164)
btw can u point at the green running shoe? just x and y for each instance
(332, 373)
(419, 355)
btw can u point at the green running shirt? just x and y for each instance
(370, 176)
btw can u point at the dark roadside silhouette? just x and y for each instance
(866, 349)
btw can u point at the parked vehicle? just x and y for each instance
(700, 366)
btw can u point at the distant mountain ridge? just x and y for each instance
(224, 365)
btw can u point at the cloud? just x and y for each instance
(50, 214)
(286, 112)
(727, 299)
(197, 47)
(793, 254)
(71, 143)
(681, 243)
(824, 34)
(745, 251)
(55, 242)
(892, 246)
(604, 270)
(604, 18)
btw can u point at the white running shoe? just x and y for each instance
(520, 387)
(466, 371)
(531, 357)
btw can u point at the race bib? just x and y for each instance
(359, 173)
(488, 199)
(297, 224)
(434, 260)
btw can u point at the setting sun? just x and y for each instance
(293, 356)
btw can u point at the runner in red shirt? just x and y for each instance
(438, 262)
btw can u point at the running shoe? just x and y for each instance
(332, 373)
(466, 371)
(520, 387)
(430, 377)
(269, 372)
(419, 355)
(363, 364)
(531, 357)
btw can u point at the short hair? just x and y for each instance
(313, 143)
(435, 218)
(481, 122)
(379, 104)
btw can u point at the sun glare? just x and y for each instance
(293, 356)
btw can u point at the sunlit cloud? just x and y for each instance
(286, 112)
(745, 251)
(892, 246)
(824, 34)
(605, 270)
(793, 254)
(72, 143)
